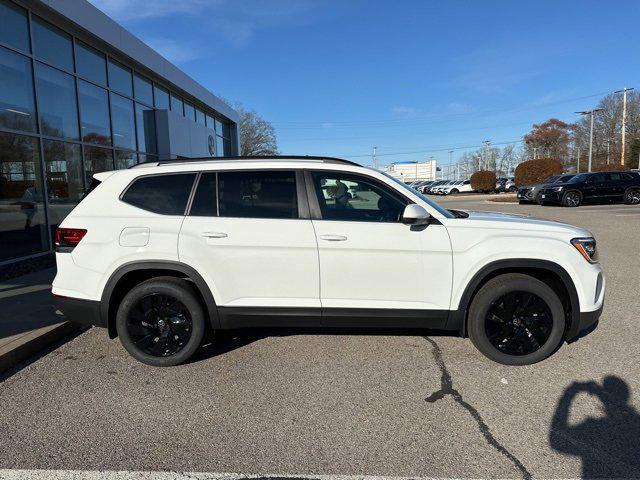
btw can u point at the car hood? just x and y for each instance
(522, 222)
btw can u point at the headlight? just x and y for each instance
(557, 189)
(587, 248)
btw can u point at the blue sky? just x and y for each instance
(415, 78)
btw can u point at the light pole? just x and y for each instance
(590, 112)
(624, 120)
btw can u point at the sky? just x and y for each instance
(414, 78)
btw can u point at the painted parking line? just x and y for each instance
(628, 214)
(170, 475)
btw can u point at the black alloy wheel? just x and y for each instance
(159, 325)
(161, 321)
(571, 199)
(516, 319)
(518, 323)
(632, 196)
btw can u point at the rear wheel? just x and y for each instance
(516, 319)
(572, 199)
(161, 322)
(454, 191)
(632, 196)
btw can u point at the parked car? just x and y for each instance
(425, 186)
(165, 254)
(594, 187)
(434, 186)
(506, 184)
(531, 193)
(461, 186)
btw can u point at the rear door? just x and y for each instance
(371, 264)
(249, 232)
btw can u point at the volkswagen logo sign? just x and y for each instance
(212, 146)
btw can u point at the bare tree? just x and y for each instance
(257, 136)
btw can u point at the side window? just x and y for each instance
(357, 198)
(255, 194)
(597, 178)
(467, 182)
(615, 177)
(204, 201)
(165, 194)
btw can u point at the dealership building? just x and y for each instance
(79, 94)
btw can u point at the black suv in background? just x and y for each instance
(531, 193)
(594, 187)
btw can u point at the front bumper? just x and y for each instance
(587, 323)
(551, 196)
(80, 311)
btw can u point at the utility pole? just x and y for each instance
(374, 158)
(608, 150)
(535, 149)
(624, 121)
(591, 113)
(487, 145)
(578, 167)
(450, 157)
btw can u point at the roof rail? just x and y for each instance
(258, 158)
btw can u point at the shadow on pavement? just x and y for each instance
(609, 446)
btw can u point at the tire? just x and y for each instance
(572, 198)
(512, 189)
(147, 332)
(538, 199)
(632, 196)
(454, 191)
(548, 325)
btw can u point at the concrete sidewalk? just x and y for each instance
(28, 322)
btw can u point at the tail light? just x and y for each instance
(67, 238)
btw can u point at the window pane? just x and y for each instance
(177, 105)
(65, 188)
(23, 228)
(57, 102)
(161, 97)
(97, 160)
(91, 64)
(143, 89)
(189, 112)
(146, 128)
(226, 131)
(14, 26)
(204, 201)
(165, 194)
(125, 159)
(199, 117)
(120, 78)
(94, 113)
(210, 122)
(17, 109)
(52, 45)
(257, 194)
(142, 158)
(124, 132)
(357, 198)
(218, 127)
(219, 146)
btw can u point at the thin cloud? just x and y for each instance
(126, 10)
(174, 51)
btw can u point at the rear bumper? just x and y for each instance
(79, 311)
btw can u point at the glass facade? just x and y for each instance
(68, 110)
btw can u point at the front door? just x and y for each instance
(371, 264)
(248, 233)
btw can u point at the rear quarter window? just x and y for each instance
(164, 194)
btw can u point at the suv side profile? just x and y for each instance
(594, 187)
(164, 255)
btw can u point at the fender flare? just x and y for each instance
(190, 272)
(458, 318)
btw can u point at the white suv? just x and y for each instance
(461, 186)
(167, 253)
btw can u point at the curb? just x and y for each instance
(32, 342)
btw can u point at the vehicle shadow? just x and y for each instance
(228, 340)
(608, 446)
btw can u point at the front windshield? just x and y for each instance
(552, 179)
(579, 178)
(446, 213)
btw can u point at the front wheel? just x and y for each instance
(516, 319)
(161, 322)
(632, 196)
(571, 199)
(455, 191)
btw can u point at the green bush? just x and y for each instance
(483, 181)
(537, 171)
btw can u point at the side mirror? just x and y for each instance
(415, 215)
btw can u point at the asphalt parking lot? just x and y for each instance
(412, 404)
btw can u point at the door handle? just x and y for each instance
(333, 238)
(214, 234)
